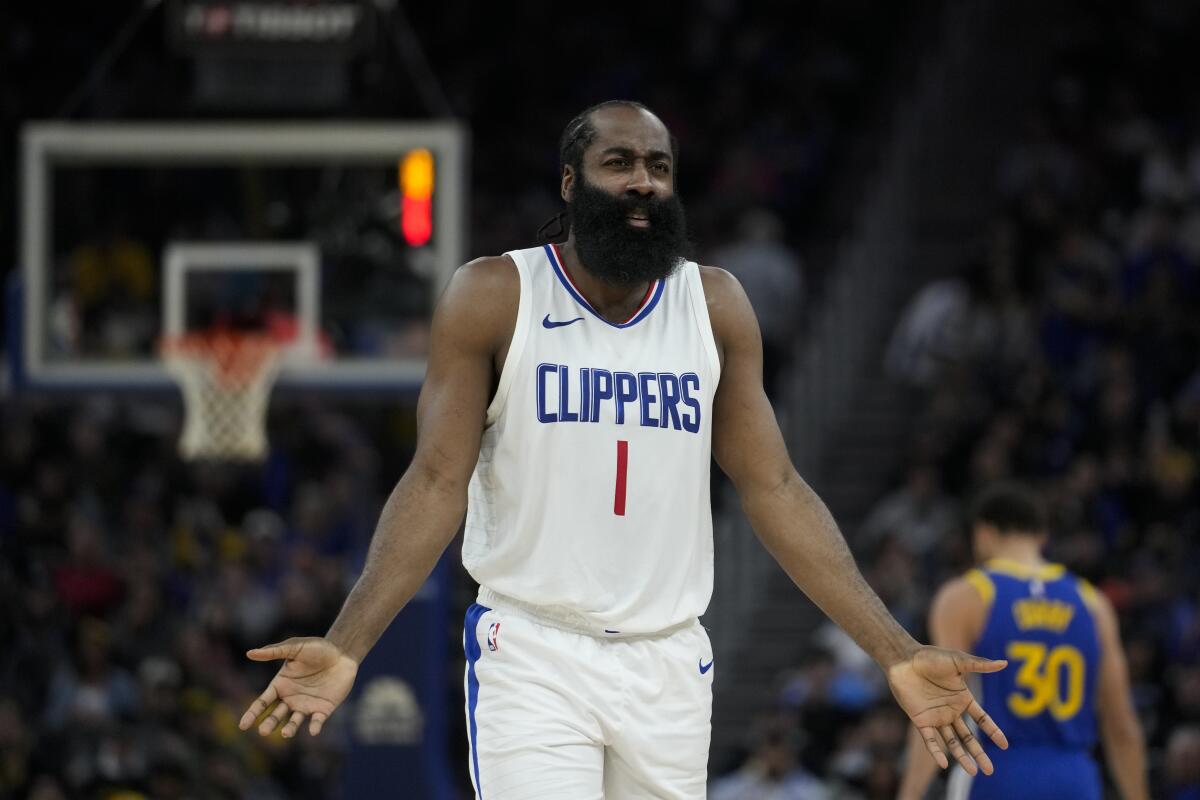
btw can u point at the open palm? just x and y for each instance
(314, 680)
(931, 689)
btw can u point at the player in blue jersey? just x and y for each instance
(1067, 680)
(574, 399)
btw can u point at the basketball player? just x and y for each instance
(1068, 674)
(574, 397)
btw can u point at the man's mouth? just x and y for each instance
(638, 219)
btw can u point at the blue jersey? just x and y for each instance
(1040, 620)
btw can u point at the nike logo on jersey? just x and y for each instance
(546, 323)
(704, 668)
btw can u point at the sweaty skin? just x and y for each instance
(472, 327)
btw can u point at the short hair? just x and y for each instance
(581, 132)
(1011, 508)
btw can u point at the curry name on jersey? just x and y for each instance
(1039, 619)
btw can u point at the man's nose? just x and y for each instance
(639, 181)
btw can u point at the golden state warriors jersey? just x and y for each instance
(590, 499)
(1039, 621)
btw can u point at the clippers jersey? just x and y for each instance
(1044, 701)
(590, 500)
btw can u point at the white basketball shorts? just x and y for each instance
(552, 713)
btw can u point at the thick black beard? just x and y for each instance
(618, 253)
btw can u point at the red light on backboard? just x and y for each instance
(416, 220)
(416, 184)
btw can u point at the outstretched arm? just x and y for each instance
(471, 329)
(426, 507)
(798, 530)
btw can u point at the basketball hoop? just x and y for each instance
(226, 379)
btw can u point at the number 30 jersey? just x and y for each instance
(590, 499)
(1041, 622)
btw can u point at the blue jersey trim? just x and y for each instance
(471, 646)
(565, 281)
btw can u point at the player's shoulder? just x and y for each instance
(487, 274)
(1101, 610)
(959, 611)
(729, 309)
(973, 587)
(1093, 598)
(489, 281)
(719, 283)
(480, 300)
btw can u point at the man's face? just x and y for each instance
(629, 225)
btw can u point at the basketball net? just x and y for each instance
(226, 379)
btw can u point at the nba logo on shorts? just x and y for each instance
(494, 636)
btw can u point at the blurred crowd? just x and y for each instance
(1066, 353)
(134, 583)
(764, 112)
(105, 274)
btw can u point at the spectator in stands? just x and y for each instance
(1183, 764)
(772, 771)
(91, 691)
(917, 515)
(1073, 364)
(772, 275)
(862, 768)
(16, 748)
(925, 338)
(113, 281)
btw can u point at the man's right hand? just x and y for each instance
(315, 678)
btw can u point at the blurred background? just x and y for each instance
(971, 231)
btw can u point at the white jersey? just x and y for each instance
(590, 500)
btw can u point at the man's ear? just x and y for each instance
(568, 183)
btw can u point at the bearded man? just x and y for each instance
(574, 398)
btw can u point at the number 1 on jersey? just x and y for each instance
(622, 471)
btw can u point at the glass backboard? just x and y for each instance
(380, 207)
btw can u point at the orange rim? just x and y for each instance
(237, 358)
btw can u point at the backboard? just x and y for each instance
(377, 210)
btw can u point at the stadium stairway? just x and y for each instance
(953, 194)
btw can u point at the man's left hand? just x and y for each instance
(931, 689)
